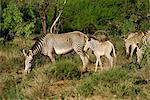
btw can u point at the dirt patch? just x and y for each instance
(64, 89)
(59, 86)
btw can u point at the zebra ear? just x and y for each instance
(143, 33)
(24, 53)
(123, 37)
(30, 52)
(89, 39)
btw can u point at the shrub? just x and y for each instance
(66, 69)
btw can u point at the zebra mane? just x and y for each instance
(36, 38)
(37, 47)
(92, 37)
(97, 39)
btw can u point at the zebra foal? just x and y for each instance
(100, 49)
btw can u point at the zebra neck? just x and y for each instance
(92, 45)
(36, 51)
(37, 47)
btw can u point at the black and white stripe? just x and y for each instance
(37, 47)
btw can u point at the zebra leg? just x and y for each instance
(83, 57)
(50, 54)
(132, 49)
(84, 60)
(96, 64)
(110, 58)
(100, 63)
(139, 54)
(127, 49)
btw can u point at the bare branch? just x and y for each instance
(51, 29)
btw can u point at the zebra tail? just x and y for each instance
(114, 53)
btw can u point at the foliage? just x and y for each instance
(13, 20)
(113, 15)
(128, 26)
(12, 16)
(96, 12)
(66, 69)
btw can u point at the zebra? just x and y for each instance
(131, 41)
(58, 44)
(144, 48)
(100, 49)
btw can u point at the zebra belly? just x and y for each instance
(62, 50)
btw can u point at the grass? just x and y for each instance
(116, 82)
(10, 87)
(36, 87)
(63, 79)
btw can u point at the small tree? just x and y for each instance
(12, 16)
(13, 20)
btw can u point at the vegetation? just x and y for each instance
(63, 80)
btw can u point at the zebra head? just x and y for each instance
(86, 46)
(28, 59)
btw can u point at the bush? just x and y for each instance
(66, 69)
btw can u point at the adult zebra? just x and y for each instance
(59, 44)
